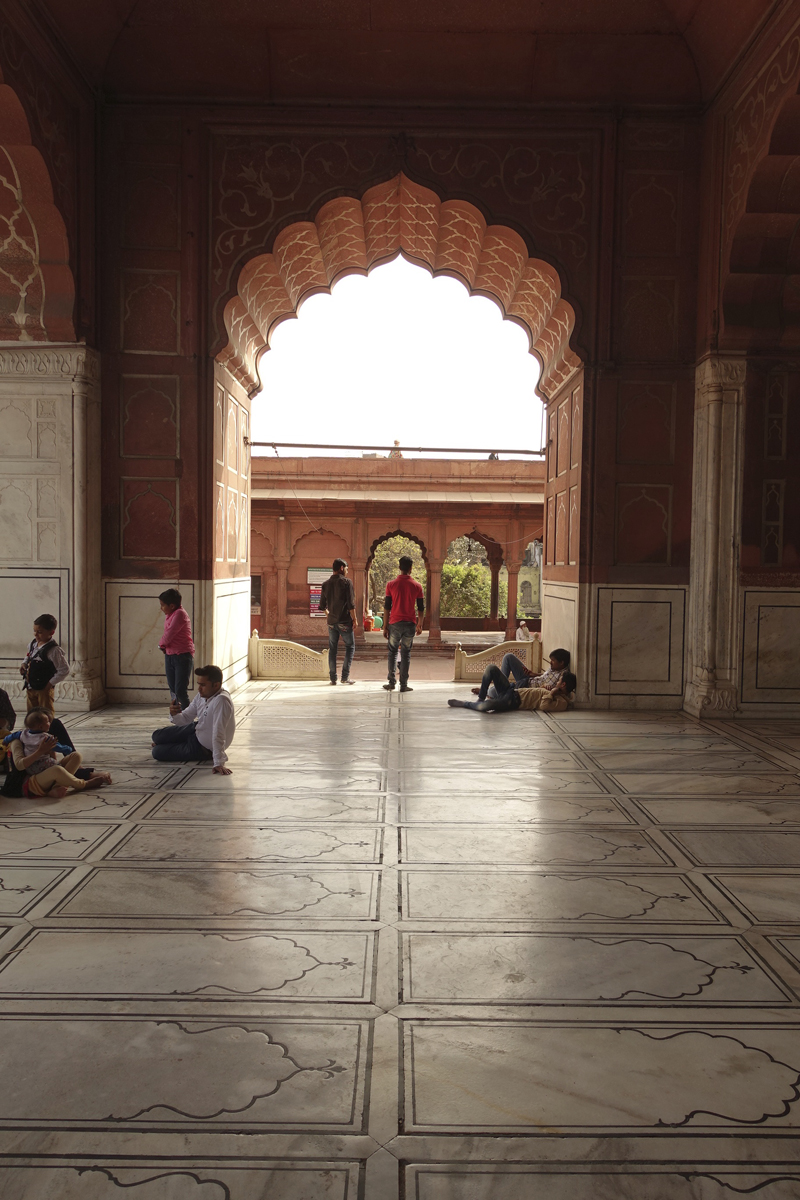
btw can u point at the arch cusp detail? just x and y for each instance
(448, 237)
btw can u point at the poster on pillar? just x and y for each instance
(315, 577)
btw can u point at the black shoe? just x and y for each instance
(389, 687)
(405, 688)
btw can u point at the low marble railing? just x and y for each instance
(275, 658)
(469, 667)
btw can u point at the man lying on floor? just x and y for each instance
(507, 698)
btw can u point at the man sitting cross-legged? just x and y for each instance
(519, 676)
(202, 731)
(507, 698)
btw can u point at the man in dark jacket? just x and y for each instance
(338, 599)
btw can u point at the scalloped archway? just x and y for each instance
(37, 289)
(351, 236)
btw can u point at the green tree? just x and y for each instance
(465, 552)
(384, 567)
(466, 591)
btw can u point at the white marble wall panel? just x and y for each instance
(134, 624)
(23, 595)
(560, 617)
(49, 511)
(640, 641)
(231, 629)
(770, 658)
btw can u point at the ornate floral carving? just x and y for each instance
(545, 181)
(77, 362)
(716, 372)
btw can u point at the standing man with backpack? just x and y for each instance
(44, 665)
(401, 621)
(338, 599)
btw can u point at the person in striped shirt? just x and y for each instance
(519, 676)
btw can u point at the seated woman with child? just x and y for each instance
(33, 751)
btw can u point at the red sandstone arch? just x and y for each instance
(37, 290)
(449, 237)
(411, 537)
(761, 295)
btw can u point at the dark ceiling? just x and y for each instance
(425, 51)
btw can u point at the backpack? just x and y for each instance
(41, 668)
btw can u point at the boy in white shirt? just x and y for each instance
(202, 731)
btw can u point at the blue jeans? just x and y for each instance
(178, 743)
(179, 671)
(514, 668)
(401, 633)
(345, 632)
(506, 695)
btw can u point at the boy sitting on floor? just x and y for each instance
(507, 698)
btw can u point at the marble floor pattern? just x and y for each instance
(407, 952)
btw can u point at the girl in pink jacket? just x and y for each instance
(177, 645)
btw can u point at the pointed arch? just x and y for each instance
(411, 537)
(351, 236)
(37, 289)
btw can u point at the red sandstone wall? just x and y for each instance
(158, 495)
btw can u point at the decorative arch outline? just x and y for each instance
(384, 537)
(351, 236)
(321, 530)
(37, 289)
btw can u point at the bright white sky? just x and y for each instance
(399, 355)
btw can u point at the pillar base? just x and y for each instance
(80, 693)
(711, 701)
(434, 637)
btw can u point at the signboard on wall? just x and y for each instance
(315, 577)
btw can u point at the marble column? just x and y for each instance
(50, 511)
(434, 604)
(715, 622)
(282, 572)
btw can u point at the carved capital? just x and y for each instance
(716, 374)
(49, 362)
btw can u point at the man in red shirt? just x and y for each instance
(401, 621)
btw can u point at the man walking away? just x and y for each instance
(401, 622)
(338, 599)
(44, 666)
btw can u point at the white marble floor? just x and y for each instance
(407, 952)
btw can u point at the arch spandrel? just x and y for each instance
(399, 217)
(37, 290)
(761, 293)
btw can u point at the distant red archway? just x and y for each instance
(37, 289)
(351, 236)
